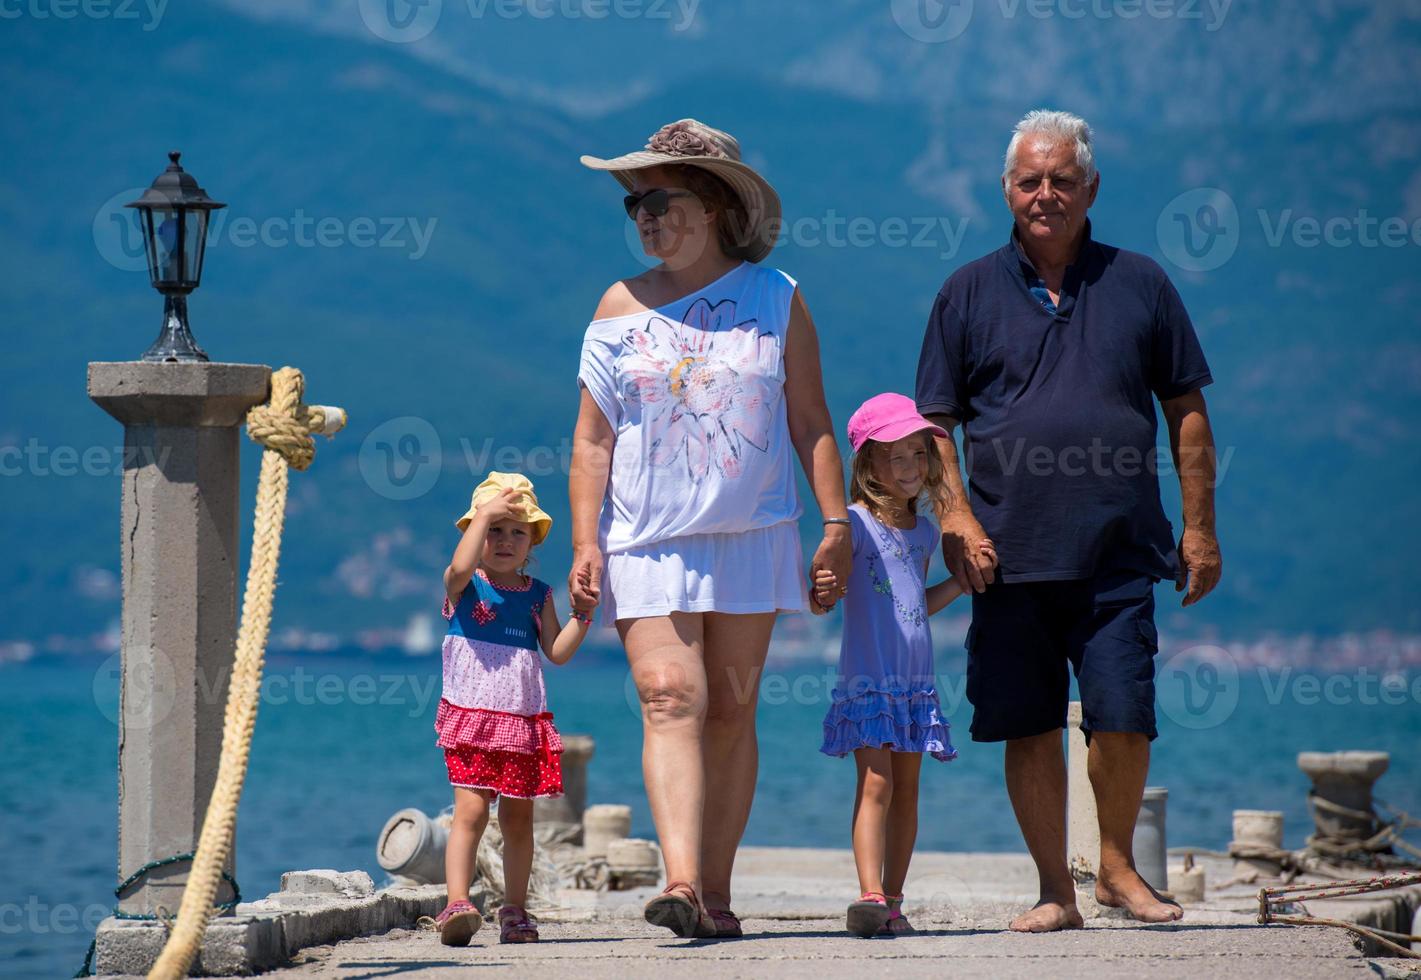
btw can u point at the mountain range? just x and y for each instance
(464, 248)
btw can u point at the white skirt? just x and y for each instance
(755, 571)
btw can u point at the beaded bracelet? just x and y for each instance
(584, 618)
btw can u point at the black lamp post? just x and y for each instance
(173, 214)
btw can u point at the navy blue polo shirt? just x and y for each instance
(1057, 406)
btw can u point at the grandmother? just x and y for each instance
(700, 384)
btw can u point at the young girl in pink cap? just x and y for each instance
(493, 720)
(885, 706)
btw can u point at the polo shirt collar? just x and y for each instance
(1083, 261)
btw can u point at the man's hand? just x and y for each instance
(1200, 564)
(972, 567)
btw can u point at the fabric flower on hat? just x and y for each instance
(681, 139)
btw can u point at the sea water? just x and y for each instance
(343, 741)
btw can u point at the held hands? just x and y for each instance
(969, 553)
(584, 582)
(834, 557)
(827, 590)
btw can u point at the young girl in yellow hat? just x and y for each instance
(493, 720)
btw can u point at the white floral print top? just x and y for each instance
(694, 391)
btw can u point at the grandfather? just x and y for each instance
(1050, 352)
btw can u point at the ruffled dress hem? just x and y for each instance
(511, 755)
(906, 721)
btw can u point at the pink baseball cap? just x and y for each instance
(887, 418)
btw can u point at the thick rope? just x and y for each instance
(284, 426)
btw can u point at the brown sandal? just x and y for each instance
(679, 909)
(868, 915)
(458, 923)
(727, 924)
(897, 924)
(515, 925)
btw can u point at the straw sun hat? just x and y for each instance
(524, 507)
(689, 142)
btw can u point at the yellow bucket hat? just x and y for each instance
(525, 508)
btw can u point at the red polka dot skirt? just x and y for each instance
(512, 755)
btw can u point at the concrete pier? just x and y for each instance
(178, 538)
(792, 902)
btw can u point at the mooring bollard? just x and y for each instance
(412, 846)
(178, 538)
(1150, 843)
(1258, 836)
(566, 810)
(1342, 792)
(602, 824)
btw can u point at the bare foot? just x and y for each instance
(1127, 890)
(1048, 916)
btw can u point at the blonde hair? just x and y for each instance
(865, 487)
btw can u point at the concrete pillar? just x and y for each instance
(1082, 826)
(178, 539)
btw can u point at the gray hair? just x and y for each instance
(1051, 127)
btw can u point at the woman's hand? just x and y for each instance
(584, 582)
(834, 557)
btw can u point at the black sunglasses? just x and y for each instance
(657, 202)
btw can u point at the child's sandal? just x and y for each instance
(515, 925)
(897, 924)
(458, 923)
(727, 924)
(679, 909)
(868, 915)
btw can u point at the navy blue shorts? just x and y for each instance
(1023, 637)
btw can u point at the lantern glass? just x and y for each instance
(195, 244)
(165, 247)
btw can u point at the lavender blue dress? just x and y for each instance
(886, 694)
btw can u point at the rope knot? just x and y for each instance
(285, 424)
